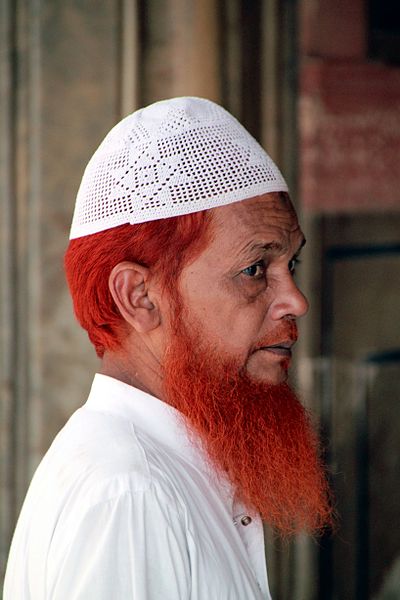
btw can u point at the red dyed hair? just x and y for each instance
(165, 245)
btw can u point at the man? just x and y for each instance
(181, 262)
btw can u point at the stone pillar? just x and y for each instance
(59, 95)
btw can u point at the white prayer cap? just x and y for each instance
(172, 158)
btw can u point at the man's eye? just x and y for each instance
(293, 264)
(255, 271)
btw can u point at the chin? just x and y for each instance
(272, 372)
(270, 376)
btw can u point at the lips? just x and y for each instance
(282, 348)
(281, 340)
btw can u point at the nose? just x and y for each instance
(289, 300)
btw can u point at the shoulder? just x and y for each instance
(98, 457)
(107, 489)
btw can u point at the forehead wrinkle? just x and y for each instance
(278, 248)
(274, 246)
(269, 229)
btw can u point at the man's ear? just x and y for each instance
(129, 287)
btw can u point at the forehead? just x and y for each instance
(263, 219)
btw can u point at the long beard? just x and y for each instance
(260, 435)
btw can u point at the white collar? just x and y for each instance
(155, 418)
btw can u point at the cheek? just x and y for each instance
(233, 327)
(245, 326)
(228, 317)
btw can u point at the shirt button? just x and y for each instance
(245, 520)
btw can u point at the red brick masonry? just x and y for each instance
(349, 136)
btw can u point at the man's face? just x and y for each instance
(226, 363)
(240, 290)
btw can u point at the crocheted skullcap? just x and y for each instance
(171, 158)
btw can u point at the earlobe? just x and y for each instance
(129, 284)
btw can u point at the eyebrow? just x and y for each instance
(301, 245)
(274, 246)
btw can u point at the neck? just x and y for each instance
(135, 369)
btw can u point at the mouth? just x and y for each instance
(277, 344)
(281, 349)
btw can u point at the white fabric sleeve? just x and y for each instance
(133, 547)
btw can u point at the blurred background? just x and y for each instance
(317, 82)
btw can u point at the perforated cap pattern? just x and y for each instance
(174, 157)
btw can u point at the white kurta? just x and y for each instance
(123, 507)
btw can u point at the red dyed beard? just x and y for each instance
(259, 434)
